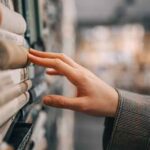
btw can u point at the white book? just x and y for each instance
(13, 92)
(38, 135)
(12, 56)
(13, 77)
(10, 4)
(11, 108)
(12, 37)
(4, 129)
(11, 21)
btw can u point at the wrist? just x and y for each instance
(114, 102)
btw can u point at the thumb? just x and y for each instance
(63, 102)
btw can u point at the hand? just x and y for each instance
(93, 95)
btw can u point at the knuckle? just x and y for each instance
(63, 56)
(81, 76)
(57, 62)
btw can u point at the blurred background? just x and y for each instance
(112, 39)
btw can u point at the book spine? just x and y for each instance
(16, 23)
(10, 4)
(32, 113)
(13, 92)
(12, 37)
(25, 140)
(12, 56)
(29, 14)
(38, 134)
(10, 109)
(13, 77)
(3, 2)
(18, 6)
(38, 19)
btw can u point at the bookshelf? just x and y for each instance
(26, 121)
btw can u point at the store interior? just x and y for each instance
(111, 38)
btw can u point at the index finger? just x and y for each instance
(57, 64)
(51, 55)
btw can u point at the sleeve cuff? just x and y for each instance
(130, 130)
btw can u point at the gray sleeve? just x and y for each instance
(131, 126)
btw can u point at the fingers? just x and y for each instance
(44, 62)
(63, 102)
(56, 64)
(53, 72)
(53, 56)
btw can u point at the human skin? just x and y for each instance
(94, 96)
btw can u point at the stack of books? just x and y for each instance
(24, 122)
(14, 74)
